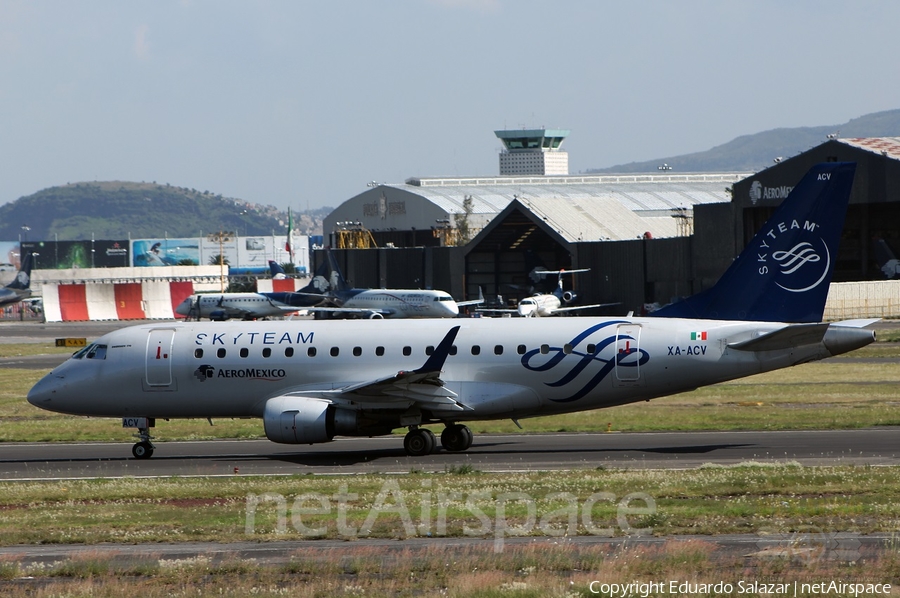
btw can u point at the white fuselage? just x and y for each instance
(500, 367)
(399, 303)
(236, 305)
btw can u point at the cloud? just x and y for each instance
(141, 45)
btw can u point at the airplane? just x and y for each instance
(310, 381)
(20, 287)
(548, 304)
(328, 292)
(887, 261)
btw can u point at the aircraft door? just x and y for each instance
(628, 355)
(159, 359)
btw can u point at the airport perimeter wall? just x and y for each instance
(864, 299)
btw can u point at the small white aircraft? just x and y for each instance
(310, 381)
(547, 304)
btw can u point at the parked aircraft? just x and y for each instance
(20, 287)
(548, 304)
(328, 292)
(310, 380)
(887, 261)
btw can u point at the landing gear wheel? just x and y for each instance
(142, 450)
(419, 442)
(456, 438)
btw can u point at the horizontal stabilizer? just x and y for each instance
(788, 337)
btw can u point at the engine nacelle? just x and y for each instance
(569, 296)
(374, 316)
(298, 420)
(219, 315)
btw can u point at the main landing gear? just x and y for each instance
(144, 448)
(421, 441)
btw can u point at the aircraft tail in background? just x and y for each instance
(887, 261)
(22, 281)
(784, 273)
(276, 270)
(327, 278)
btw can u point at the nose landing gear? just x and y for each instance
(144, 448)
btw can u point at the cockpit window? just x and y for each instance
(96, 352)
(81, 352)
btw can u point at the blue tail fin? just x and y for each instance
(784, 273)
(327, 278)
(276, 270)
(22, 281)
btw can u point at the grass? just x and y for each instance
(541, 570)
(708, 500)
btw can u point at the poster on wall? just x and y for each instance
(165, 252)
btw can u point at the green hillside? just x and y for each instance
(115, 210)
(751, 153)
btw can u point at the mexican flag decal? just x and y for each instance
(698, 336)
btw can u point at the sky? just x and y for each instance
(303, 103)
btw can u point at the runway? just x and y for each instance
(489, 453)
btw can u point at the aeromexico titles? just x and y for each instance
(310, 381)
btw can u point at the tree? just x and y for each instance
(218, 260)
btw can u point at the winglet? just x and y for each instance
(436, 361)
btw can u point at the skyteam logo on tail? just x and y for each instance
(799, 265)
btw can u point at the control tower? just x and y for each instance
(533, 152)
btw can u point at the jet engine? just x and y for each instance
(305, 420)
(374, 316)
(219, 315)
(569, 296)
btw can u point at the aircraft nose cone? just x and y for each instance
(41, 394)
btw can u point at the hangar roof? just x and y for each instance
(886, 146)
(608, 207)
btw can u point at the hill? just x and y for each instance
(117, 210)
(751, 153)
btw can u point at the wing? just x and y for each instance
(422, 387)
(478, 301)
(576, 307)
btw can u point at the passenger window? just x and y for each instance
(591, 348)
(407, 351)
(498, 349)
(429, 350)
(379, 351)
(220, 353)
(335, 351)
(198, 353)
(245, 351)
(567, 348)
(267, 352)
(357, 351)
(545, 349)
(452, 349)
(520, 349)
(311, 352)
(288, 351)
(476, 350)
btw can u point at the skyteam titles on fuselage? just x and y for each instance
(251, 338)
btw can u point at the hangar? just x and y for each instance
(647, 238)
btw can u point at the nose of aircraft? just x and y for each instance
(184, 307)
(41, 394)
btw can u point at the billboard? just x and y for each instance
(62, 255)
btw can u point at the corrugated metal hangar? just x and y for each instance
(647, 238)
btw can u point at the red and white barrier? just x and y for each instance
(150, 300)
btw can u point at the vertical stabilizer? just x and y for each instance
(22, 281)
(784, 273)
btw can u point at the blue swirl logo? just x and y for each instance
(626, 357)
